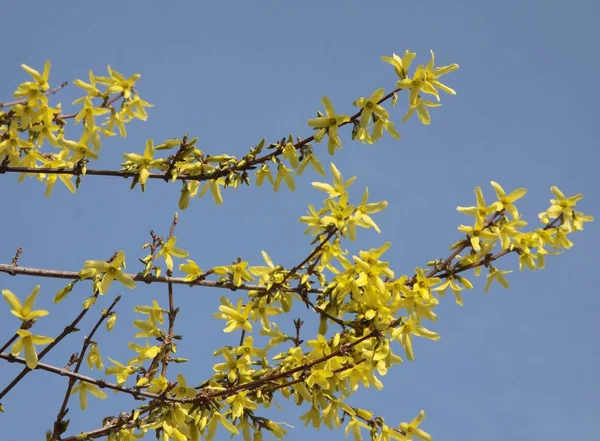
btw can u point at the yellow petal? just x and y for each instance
(31, 357)
(12, 300)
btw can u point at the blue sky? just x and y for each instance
(516, 364)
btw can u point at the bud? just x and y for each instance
(110, 323)
(87, 273)
(63, 292)
(89, 302)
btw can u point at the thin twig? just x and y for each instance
(15, 259)
(122, 422)
(172, 310)
(74, 275)
(136, 393)
(248, 165)
(58, 424)
(66, 331)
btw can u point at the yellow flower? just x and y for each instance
(24, 311)
(148, 327)
(46, 132)
(264, 172)
(412, 429)
(111, 272)
(407, 330)
(510, 230)
(579, 218)
(423, 283)
(169, 249)
(144, 352)
(158, 385)
(192, 270)
(248, 350)
(498, 276)
(371, 106)
(88, 113)
(482, 210)
(28, 341)
(477, 233)
(310, 158)
(94, 358)
(422, 112)
(262, 311)
(289, 152)
(562, 205)
(83, 388)
(236, 318)
(182, 390)
(58, 160)
(339, 187)
(234, 366)
(116, 119)
(455, 287)
(320, 376)
(110, 322)
(34, 91)
(135, 107)
(401, 65)
(505, 202)
(80, 149)
(240, 273)
(328, 124)
(25, 115)
(320, 346)
(142, 163)
(239, 403)
(41, 80)
(91, 89)
(425, 80)
(117, 83)
(284, 174)
(386, 124)
(13, 142)
(154, 311)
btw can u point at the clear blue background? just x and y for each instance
(520, 364)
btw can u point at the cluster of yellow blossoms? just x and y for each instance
(371, 308)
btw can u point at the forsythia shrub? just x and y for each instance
(368, 313)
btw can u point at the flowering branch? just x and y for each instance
(59, 426)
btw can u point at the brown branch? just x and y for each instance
(125, 421)
(487, 259)
(317, 250)
(136, 393)
(73, 275)
(301, 379)
(248, 165)
(172, 310)
(269, 378)
(272, 377)
(344, 348)
(15, 259)
(465, 244)
(59, 426)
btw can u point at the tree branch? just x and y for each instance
(73, 275)
(66, 331)
(167, 176)
(58, 424)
